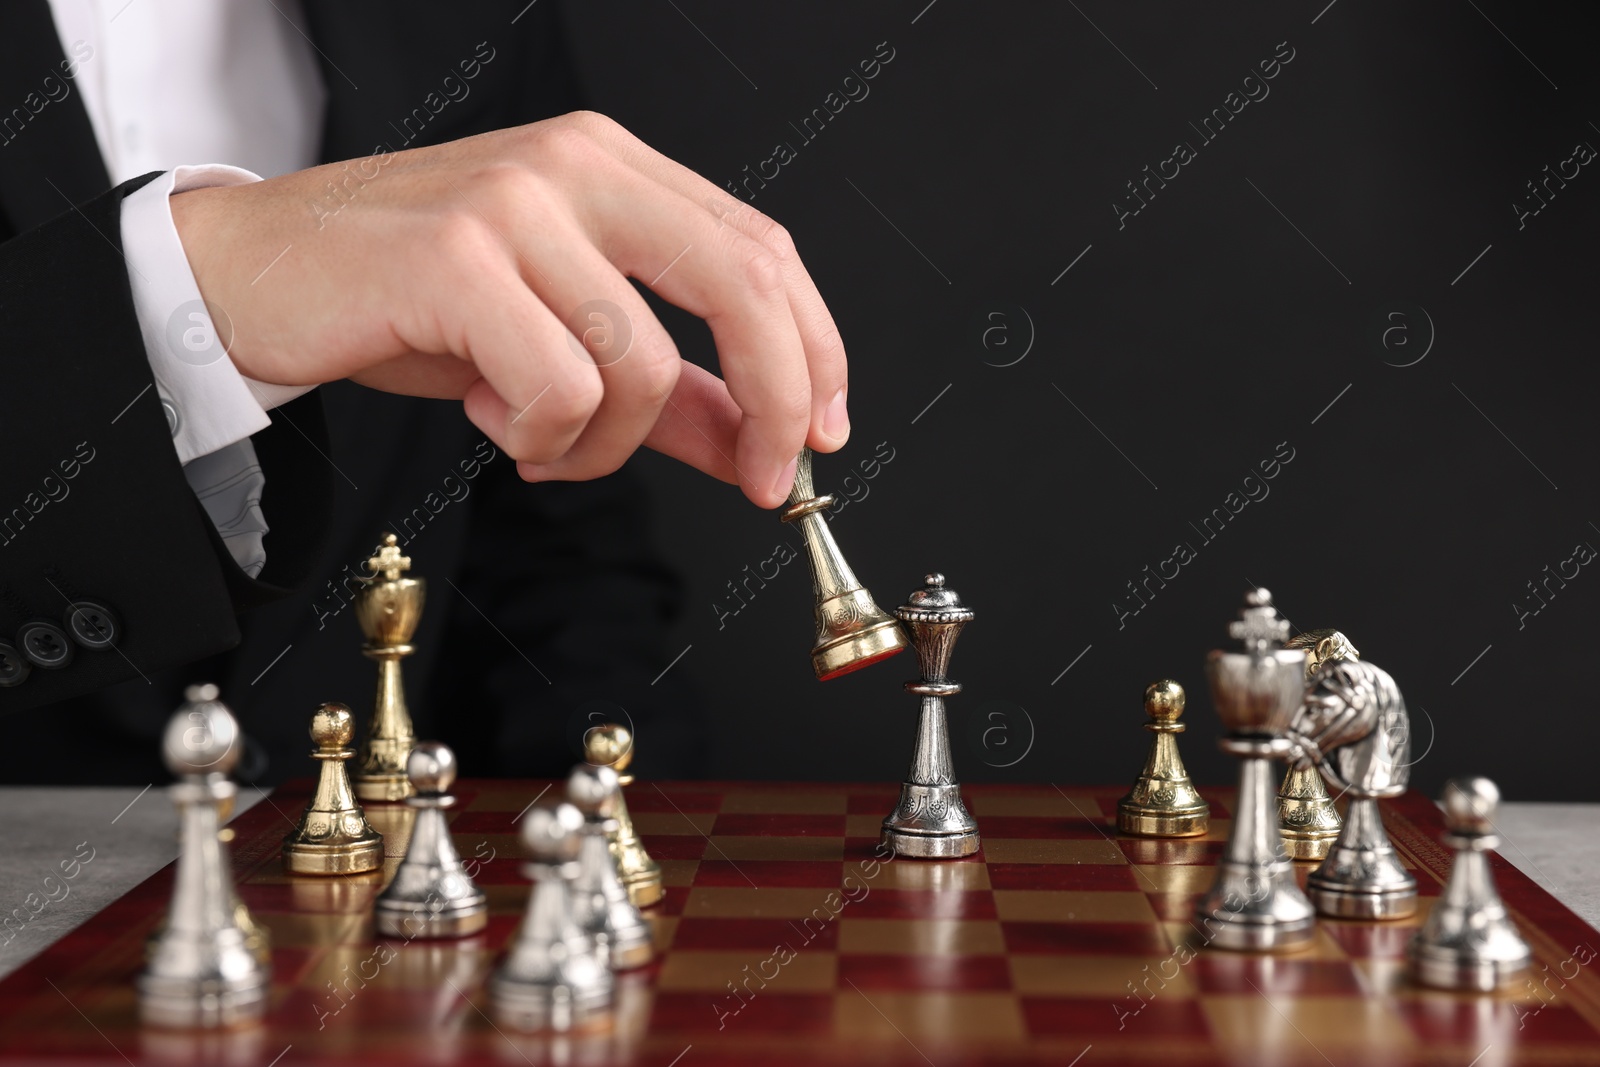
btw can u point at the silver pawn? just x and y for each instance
(1469, 942)
(601, 901)
(431, 894)
(553, 977)
(201, 972)
(1354, 729)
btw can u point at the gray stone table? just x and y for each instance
(128, 834)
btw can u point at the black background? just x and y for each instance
(1176, 354)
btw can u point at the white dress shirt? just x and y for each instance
(168, 83)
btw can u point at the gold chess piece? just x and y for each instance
(333, 836)
(852, 631)
(612, 746)
(1306, 816)
(1163, 802)
(388, 609)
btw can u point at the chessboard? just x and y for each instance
(785, 938)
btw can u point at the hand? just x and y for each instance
(459, 271)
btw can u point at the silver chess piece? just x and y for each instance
(1254, 904)
(201, 971)
(930, 821)
(1469, 942)
(600, 900)
(431, 894)
(553, 977)
(1353, 728)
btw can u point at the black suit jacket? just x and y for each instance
(546, 604)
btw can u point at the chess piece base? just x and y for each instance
(856, 650)
(1306, 816)
(1256, 908)
(225, 985)
(381, 788)
(645, 890)
(182, 1005)
(342, 858)
(930, 846)
(534, 1007)
(1146, 822)
(420, 922)
(1308, 845)
(1362, 876)
(1345, 903)
(930, 822)
(630, 950)
(1444, 969)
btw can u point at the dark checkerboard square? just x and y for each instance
(766, 1013)
(1101, 939)
(645, 798)
(1058, 829)
(1081, 876)
(943, 973)
(790, 873)
(675, 846)
(779, 825)
(757, 935)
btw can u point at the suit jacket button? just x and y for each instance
(93, 625)
(14, 670)
(45, 644)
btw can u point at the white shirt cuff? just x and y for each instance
(209, 404)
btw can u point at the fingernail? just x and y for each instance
(836, 420)
(785, 480)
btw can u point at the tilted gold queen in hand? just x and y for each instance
(852, 631)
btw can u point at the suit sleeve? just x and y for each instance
(94, 505)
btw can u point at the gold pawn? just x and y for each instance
(333, 836)
(1163, 802)
(388, 609)
(612, 746)
(1306, 816)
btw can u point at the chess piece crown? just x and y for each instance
(852, 631)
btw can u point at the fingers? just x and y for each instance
(737, 286)
(614, 331)
(819, 336)
(699, 426)
(535, 397)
